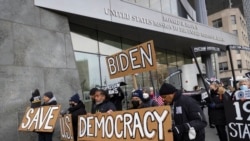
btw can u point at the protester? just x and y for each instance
(49, 99)
(136, 99)
(102, 102)
(117, 98)
(76, 108)
(213, 92)
(217, 113)
(147, 101)
(35, 99)
(92, 96)
(243, 85)
(187, 115)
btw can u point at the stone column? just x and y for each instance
(35, 52)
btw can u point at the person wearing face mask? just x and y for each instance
(186, 115)
(136, 99)
(102, 103)
(243, 85)
(76, 108)
(147, 101)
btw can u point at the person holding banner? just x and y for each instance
(136, 99)
(102, 102)
(76, 108)
(49, 99)
(188, 119)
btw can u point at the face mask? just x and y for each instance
(244, 87)
(72, 105)
(135, 104)
(145, 95)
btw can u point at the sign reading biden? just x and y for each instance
(137, 59)
(144, 124)
(238, 120)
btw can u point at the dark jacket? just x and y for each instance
(44, 136)
(103, 107)
(75, 111)
(187, 111)
(217, 111)
(149, 103)
(117, 99)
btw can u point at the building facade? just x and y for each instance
(246, 7)
(232, 21)
(61, 45)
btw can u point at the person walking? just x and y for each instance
(188, 119)
(76, 108)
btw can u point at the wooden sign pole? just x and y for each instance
(134, 82)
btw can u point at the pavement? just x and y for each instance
(211, 133)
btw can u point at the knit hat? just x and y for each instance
(49, 95)
(137, 93)
(92, 91)
(75, 98)
(167, 89)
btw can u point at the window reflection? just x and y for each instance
(108, 44)
(89, 72)
(84, 39)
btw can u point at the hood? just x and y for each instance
(52, 99)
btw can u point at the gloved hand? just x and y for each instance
(212, 105)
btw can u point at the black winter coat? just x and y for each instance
(51, 102)
(217, 113)
(103, 107)
(75, 111)
(187, 110)
(117, 99)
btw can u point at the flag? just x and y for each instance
(159, 100)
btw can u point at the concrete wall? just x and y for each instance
(35, 52)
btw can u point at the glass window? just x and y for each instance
(238, 51)
(223, 66)
(89, 71)
(217, 23)
(155, 5)
(84, 39)
(179, 60)
(233, 19)
(108, 44)
(222, 53)
(239, 64)
(235, 32)
(171, 58)
(126, 43)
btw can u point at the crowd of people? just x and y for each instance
(187, 113)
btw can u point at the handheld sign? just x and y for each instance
(242, 94)
(66, 128)
(140, 124)
(41, 119)
(137, 59)
(238, 120)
